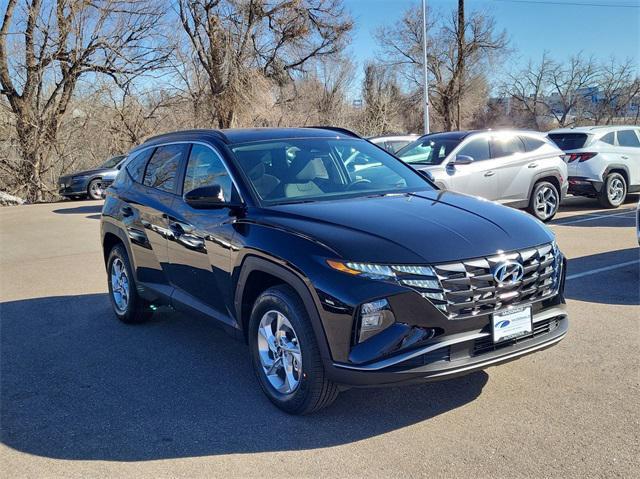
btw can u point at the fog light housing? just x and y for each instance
(374, 317)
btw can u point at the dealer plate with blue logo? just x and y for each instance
(512, 323)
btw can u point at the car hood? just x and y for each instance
(422, 227)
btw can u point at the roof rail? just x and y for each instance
(209, 131)
(337, 129)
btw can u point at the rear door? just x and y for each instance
(514, 166)
(153, 208)
(200, 240)
(629, 151)
(478, 178)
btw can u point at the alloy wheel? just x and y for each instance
(546, 202)
(95, 189)
(616, 191)
(279, 351)
(119, 285)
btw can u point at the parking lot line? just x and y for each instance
(603, 269)
(594, 216)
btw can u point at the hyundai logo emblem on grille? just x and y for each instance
(509, 272)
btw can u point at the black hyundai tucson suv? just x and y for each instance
(337, 263)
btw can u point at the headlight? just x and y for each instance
(368, 270)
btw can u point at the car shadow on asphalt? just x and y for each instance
(90, 210)
(78, 384)
(615, 286)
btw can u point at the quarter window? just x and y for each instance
(478, 149)
(136, 165)
(206, 169)
(162, 169)
(609, 138)
(628, 138)
(531, 144)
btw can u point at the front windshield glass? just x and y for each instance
(431, 150)
(313, 169)
(112, 162)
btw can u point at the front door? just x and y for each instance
(201, 239)
(477, 178)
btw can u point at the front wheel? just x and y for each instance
(545, 201)
(614, 191)
(94, 190)
(285, 353)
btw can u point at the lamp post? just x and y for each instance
(425, 68)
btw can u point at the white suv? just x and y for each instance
(517, 168)
(603, 161)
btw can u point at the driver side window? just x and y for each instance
(478, 149)
(205, 168)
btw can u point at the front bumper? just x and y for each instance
(455, 355)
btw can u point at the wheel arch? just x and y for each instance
(551, 176)
(258, 274)
(617, 168)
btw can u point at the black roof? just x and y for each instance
(245, 135)
(452, 135)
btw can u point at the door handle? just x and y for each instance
(490, 173)
(181, 232)
(126, 211)
(624, 157)
(532, 165)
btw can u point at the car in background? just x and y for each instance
(522, 169)
(393, 143)
(603, 161)
(335, 276)
(90, 183)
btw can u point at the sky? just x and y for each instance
(562, 27)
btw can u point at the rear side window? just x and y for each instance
(569, 141)
(162, 168)
(609, 138)
(531, 144)
(628, 138)
(506, 146)
(478, 149)
(135, 166)
(206, 169)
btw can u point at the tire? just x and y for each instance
(614, 191)
(94, 190)
(313, 391)
(544, 201)
(133, 309)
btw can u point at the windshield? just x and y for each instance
(431, 150)
(297, 170)
(112, 162)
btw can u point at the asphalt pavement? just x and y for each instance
(83, 395)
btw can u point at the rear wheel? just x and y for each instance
(128, 306)
(614, 191)
(94, 190)
(545, 201)
(285, 353)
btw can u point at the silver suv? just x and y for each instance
(603, 161)
(522, 169)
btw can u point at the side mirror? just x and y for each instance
(208, 197)
(463, 160)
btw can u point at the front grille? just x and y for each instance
(441, 354)
(485, 344)
(468, 288)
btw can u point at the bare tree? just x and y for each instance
(238, 41)
(46, 48)
(617, 87)
(383, 101)
(460, 51)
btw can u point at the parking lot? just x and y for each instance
(85, 396)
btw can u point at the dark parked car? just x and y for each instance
(90, 183)
(336, 272)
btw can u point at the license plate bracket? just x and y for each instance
(511, 323)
